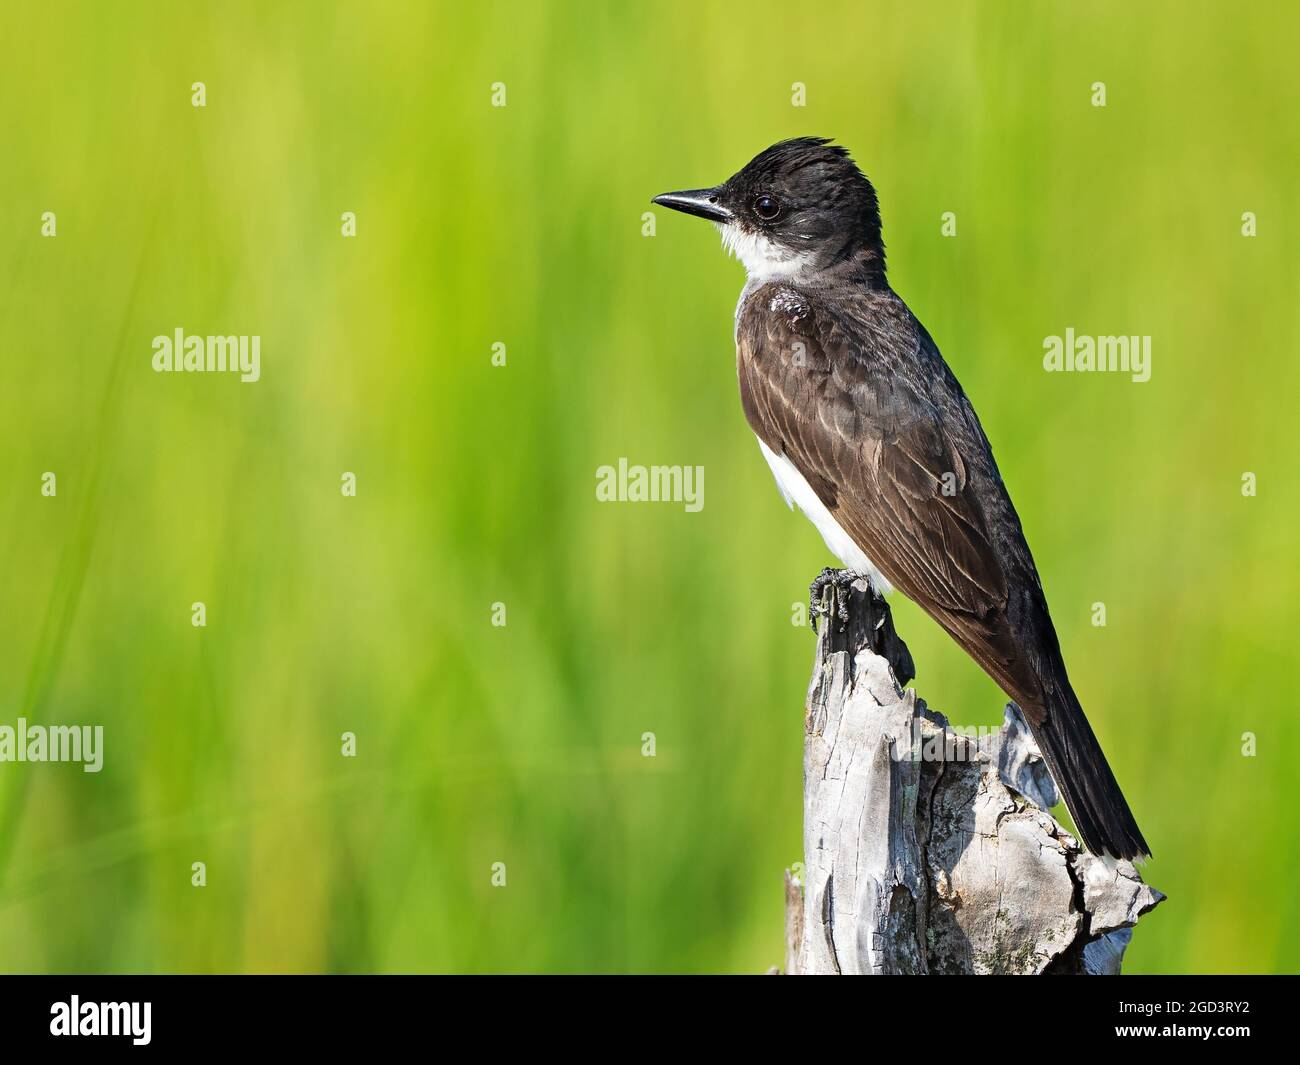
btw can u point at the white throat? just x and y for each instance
(763, 258)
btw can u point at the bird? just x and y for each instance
(867, 431)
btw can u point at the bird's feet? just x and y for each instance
(839, 580)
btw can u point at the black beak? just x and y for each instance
(703, 203)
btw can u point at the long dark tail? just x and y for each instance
(1085, 780)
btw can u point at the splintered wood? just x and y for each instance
(929, 849)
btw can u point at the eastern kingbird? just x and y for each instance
(866, 428)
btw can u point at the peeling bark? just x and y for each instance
(926, 851)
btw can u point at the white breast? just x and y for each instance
(795, 489)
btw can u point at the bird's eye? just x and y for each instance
(767, 208)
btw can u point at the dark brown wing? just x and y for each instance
(883, 434)
(852, 390)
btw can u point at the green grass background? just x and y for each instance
(476, 484)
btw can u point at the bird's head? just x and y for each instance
(799, 207)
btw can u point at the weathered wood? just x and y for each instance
(930, 851)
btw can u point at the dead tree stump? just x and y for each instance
(927, 850)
